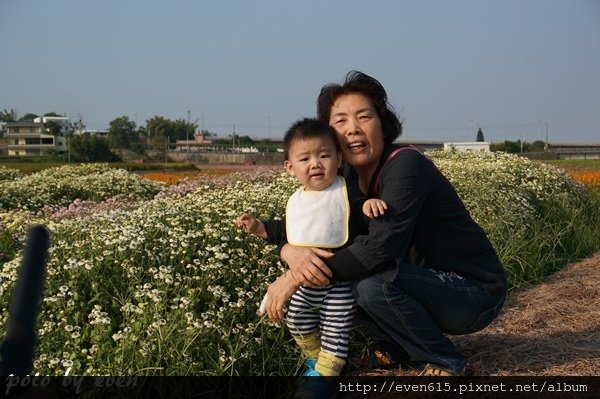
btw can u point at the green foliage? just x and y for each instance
(537, 217)
(122, 133)
(480, 135)
(37, 164)
(7, 174)
(593, 164)
(88, 148)
(29, 117)
(9, 246)
(8, 116)
(61, 186)
(160, 129)
(52, 127)
(514, 147)
(171, 287)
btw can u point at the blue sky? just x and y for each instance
(449, 66)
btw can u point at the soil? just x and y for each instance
(551, 329)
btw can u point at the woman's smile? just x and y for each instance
(357, 147)
(358, 126)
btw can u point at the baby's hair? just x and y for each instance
(307, 128)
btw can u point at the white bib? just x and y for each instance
(318, 218)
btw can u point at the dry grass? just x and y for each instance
(550, 329)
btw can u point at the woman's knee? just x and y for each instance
(366, 289)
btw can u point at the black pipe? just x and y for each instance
(19, 342)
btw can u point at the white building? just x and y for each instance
(467, 146)
(31, 139)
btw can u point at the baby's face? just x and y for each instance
(314, 161)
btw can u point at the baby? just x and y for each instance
(317, 215)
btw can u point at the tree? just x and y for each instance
(181, 130)
(159, 129)
(244, 140)
(479, 135)
(57, 128)
(512, 147)
(52, 127)
(27, 118)
(122, 133)
(86, 148)
(8, 116)
(266, 145)
(537, 146)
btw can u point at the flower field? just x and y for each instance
(147, 278)
(590, 178)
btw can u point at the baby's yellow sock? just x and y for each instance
(329, 365)
(309, 344)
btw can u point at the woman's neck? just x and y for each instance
(365, 174)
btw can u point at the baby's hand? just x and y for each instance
(247, 222)
(374, 207)
(251, 225)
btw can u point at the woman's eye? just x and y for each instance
(325, 156)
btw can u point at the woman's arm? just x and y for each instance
(404, 187)
(278, 294)
(307, 264)
(275, 231)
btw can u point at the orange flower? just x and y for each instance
(169, 178)
(588, 177)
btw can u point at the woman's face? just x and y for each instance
(358, 127)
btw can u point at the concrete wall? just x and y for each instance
(231, 159)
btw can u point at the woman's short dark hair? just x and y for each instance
(308, 128)
(359, 83)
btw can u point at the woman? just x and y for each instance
(422, 270)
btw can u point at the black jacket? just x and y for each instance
(425, 223)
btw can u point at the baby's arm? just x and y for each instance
(374, 207)
(251, 225)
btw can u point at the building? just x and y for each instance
(576, 151)
(199, 142)
(94, 132)
(467, 146)
(30, 138)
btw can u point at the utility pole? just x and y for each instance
(187, 134)
(233, 139)
(546, 144)
(522, 138)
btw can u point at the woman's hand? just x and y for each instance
(278, 294)
(306, 264)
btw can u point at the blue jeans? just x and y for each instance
(414, 307)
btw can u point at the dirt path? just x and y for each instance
(550, 329)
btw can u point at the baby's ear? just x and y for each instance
(288, 168)
(339, 159)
